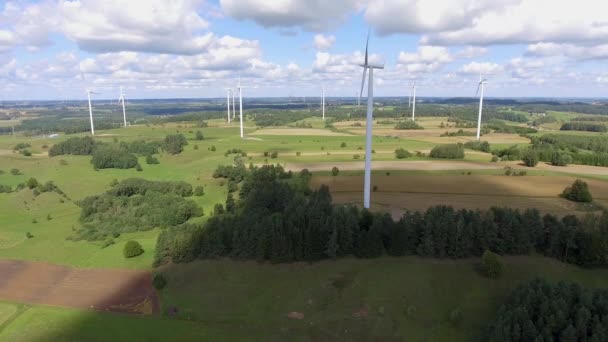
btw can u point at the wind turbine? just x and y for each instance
(240, 88)
(323, 101)
(228, 92)
(413, 100)
(121, 99)
(370, 113)
(480, 85)
(89, 92)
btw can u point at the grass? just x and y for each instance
(350, 299)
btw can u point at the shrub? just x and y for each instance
(218, 209)
(578, 192)
(5, 188)
(199, 135)
(375, 188)
(29, 235)
(34, 221)
(199, 191)
(491, 264)
(212, 148)
(174, 143)
(450, 151)
(159, 281)
(482, 146)
(150, 159)
(560, 158)
(63, 162)
(114, 182)
(26, 153)
(132, 249)
(409, 124)
(107, 157)
(49, 217)
(138, 167)
(109, 242)
(334, 171)
(31, 183)
(196, 147)
(274, 154)
(15, 172)
(343, 145)
(401, 153)
(265, 153)
(494, 159)
(356, 156)
(232, 186)
(298, 154)
(21, 146)
(530, 158)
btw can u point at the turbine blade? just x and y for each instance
(367, 45)
(362, 84)
(478, 86)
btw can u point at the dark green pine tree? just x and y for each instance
(230, 204)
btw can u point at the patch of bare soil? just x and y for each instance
(125, 291)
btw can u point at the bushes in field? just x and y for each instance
(199, 136)
(482, 146)
(174, 143)
(561, 158)
(199, 191)
(544, 311)
(140, 147)
(402, 153)
(578, 192)
(159, 281)
(461, 133)
(583, 126)
(15, 172)
(511, 153)
(279, 219)
(150, 160)
(491, 265)
(530, 158)
(450, 151)
(409, 124)
(77, 146)
(335, 171)
(107, 157)
(132, 249)
(135, 205)
(21, 146)
(5, 188)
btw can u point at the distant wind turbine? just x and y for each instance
(480, 86)
(370, 113)
(121, 99)
(323, 101)
(228, 92)
(240, 88)
(413, 100)
(89, 92)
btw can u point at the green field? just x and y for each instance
(349, 299)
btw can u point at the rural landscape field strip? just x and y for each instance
(122, 291)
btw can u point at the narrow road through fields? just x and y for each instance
(125, 291)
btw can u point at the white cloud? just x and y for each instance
(421, 16)
(483, 68)
(323, 42)
(471, 52)
(568, 50)
(146, 26)
(531, 21)
(346, 64)
(426, 59)
(311, 15)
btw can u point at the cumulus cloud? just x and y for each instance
(311, 15)
(471, 52)
(425, 59)
(568, 50)
(323, 42)
(483, 68)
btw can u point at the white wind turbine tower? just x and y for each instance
(121, 100)
(480, 86)
(89, 92)
(228, 92)
(240, 88)
(323, 101)
(412, 101)
(370, 113)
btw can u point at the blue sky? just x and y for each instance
(196, 48)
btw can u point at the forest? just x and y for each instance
(543, 311)
(278, 219)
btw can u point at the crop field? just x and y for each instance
(397, 193)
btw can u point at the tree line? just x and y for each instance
(544, 311)
(278, 219)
